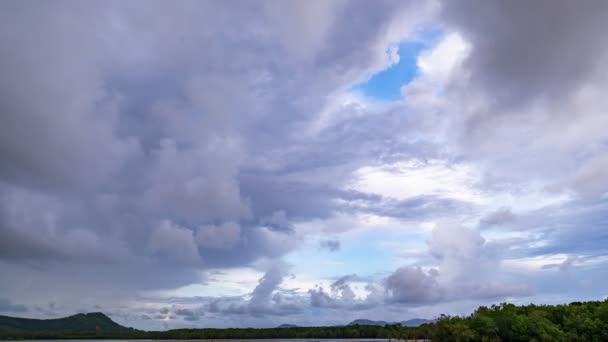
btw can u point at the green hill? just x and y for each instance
(80, 325)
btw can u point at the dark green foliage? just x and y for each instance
(95, 323)
(505, 322)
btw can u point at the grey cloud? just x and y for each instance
(7, 306)
(256, 243)
(330, 245)
(499, 217)
(49, 140)
(189, 314)
(565, 265)
(47, 311)
(174, 242)
(172, 146)
(533, 72)
(570, 260)
(269, 282)
(573, 228)
(523, 52)
(342, 282)
(277, 220)
(418, 207)
(357, 137)
(266, 299)
(268, 192)
(113, 283)
(32, 227)
(588, 179)
(221, 236)
(342, 297)
(467, 268)
(411, 285)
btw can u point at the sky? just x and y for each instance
(255, 163)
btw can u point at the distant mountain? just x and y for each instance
(414, 322)
(409, 323)
(367, 322)
(288, 326)
(91, 323)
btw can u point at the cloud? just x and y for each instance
(31, 228)
(529, 76)
(269, 282)
(342, 296)
(165, 136)
(174, 242)
(459, 265)
(565, 265)
(517, 60)
(7, 306)
(330, 245)
(266, 299)
(571, 228)
(189, 315)
(222, 236)
(411, 285)
(500, 217)
(466, 267)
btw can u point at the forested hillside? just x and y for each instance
(80, 324)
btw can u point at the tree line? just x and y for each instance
(576, 321)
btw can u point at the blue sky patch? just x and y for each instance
(386, 85)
